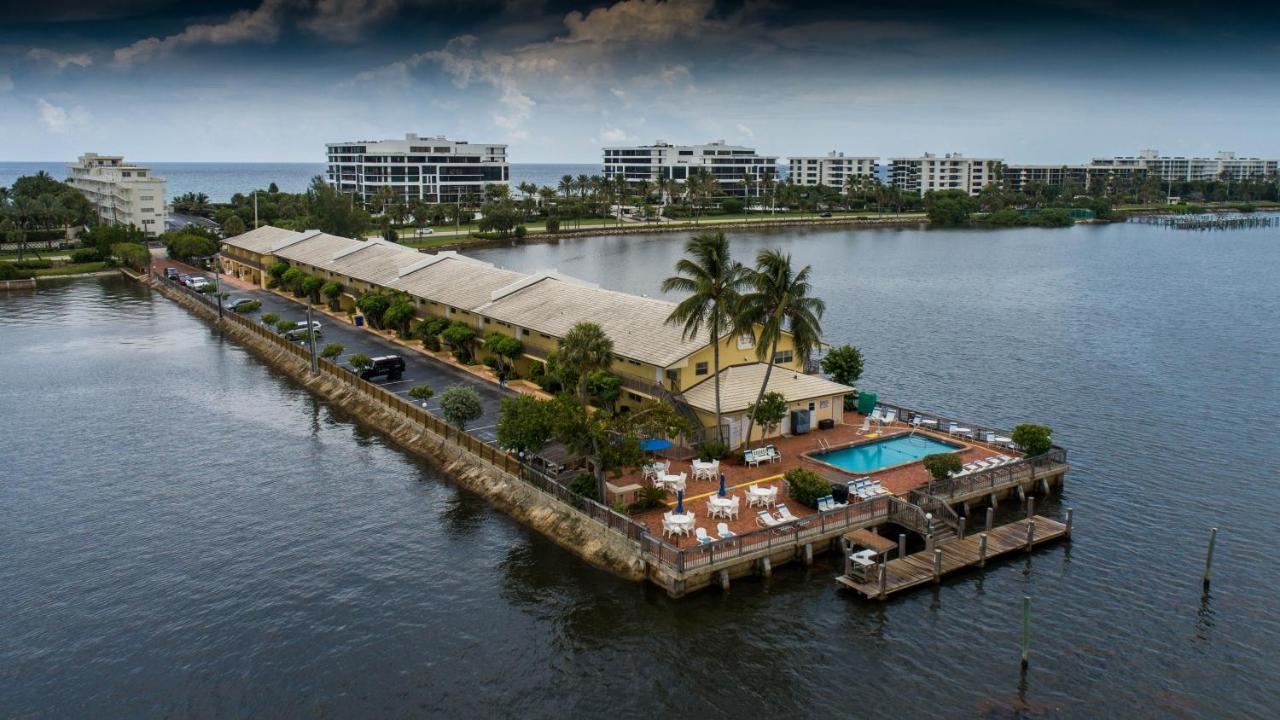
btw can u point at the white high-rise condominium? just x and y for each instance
(952, 171)
(121, 193)
(1224, 165)
(832, 169)
(433, 169)
(728, 164)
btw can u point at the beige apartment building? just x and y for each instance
(121, 193)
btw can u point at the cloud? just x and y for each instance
(58, 59)
(346, 20)
(614, 135)
(6, 83)
(55, 118)
(640, 20)
(744, 131)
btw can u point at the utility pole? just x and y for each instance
(255, 209)
(311, 340)
(217, 285)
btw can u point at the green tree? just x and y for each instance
(331, 291)
(949, 208)
(500, 217)
(421, 393)
(310, 286)
(399, 315)
(525, 423)
(768, 412)
(610, 441)
(373, 305)
(133, 255)
(713, 282)
(460, 405)
(233, 226)
(334, 212)
(270, 319)
(284, 325)
(779, 302)
(584, 350)
(292, 279)
(1033, 439)
(844, 365)
(360, 361)
(941, 465)
(277, 270)
(331, 351)
(604, 388)
(505, 349)
(459, 337)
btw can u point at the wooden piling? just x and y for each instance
(1208, 558)
(902, 545)
(937, 566)
(808, 553)
(1068, 522)
(982, 550)
(928, 543)
(960, 529)
(766, 567)
(724, 579)
(1031, 533)
(1026, 631)
(1031, 506)
(1044, 486)
(884, 578)
(991, 515)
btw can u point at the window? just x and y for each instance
(746, 342)
(782, 357)
(810, 407)
(700, 369)
(635, 397)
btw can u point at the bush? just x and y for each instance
(460, 405)
(431, 342)
(421, 392)
(712, 450)
(521, 231)
(31, 264)
(647, 499)
(270, 319)
(584, 484)
(248, 307)
(940, 465)
(332, 350)
(286, 325)
(9, 272)
(732, 206)
(459, 336)
(360, 361)
(85, 255)
(806, 486)
(1033, 439)
(553, 225)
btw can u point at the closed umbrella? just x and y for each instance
(721, 484)
(679, 502)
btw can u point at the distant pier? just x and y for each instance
(1207, 221)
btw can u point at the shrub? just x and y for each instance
(286, 325)
(85, 255)
(732, 206)
(431, 342)
(584, 484)
(270, 319)
(248, 307)
(374, 306)
(278, 269)
(459, 337)
(712, 450)
(310, 286)
(940, 465)
(331, 291)
(332, 350)
(360, 361)
(521, 231)
(421, 392)
(648, 498)
(525, 423)
(9, 272)
(1033, 439)
(806, 486)
(460, 405)
(32, 264)
(553, 225)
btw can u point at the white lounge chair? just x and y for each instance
(784, 512)
(701, 535)
(764, 519)
(889, 416)
(824, 503)
(956, 429)
(724, 531)
(866, 425)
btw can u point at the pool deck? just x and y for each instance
(899, 480)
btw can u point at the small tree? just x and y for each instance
(233, 226)
(398, 317)
(605, 388)
(505, 349)
(844, 365)
(769, 414)
(428, 331)
(942, 465)
(374, 306)
(310, 286)
(284, 325)
(291, 279)
(276, 272)
(421, 393)
(459, 337)
(360, 361)
(331, 291)
(1033, 439)
(525, 423)
(460, 405)
(332, 350)
(270, 319)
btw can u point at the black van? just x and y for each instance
(389, 366)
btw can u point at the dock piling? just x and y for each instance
(766, 567)
(724, 580)
(808, 553)
(937, 566)
(884, 578)
(960, 529)
(1068, 522)
(928, 543)
(902, 545)
(1026, 631)
(1031, 533)
(982, 550)
(1208, 558)
(991, 515)
(1031, 506)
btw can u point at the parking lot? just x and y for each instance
(419, 369)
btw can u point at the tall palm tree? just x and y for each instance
(585, 349)
(779, 302)
(584, 184)
(714, 283)
(566, 185)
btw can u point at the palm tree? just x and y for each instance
(584, 184)
(779, 302)
(585, 349)
(566, 185)
(714, 284)
(769, 185)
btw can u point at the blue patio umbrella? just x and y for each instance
(721, 484)
(679, 502)
(654, 444)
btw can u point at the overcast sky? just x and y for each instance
(273, 80)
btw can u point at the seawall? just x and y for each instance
(565, 525)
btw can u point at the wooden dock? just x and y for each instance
(922, 568)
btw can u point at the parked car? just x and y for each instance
(183, 278)
(300, 331)
(237, 302)
(389, 366)
(198, 282)
(171, 273)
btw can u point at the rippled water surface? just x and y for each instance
(185, 532)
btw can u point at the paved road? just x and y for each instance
(419, 369)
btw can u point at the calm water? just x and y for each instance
(222, 180)
(186, 532)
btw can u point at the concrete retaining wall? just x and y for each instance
(564, 525)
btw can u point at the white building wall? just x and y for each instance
(832, 169)
(121, 193)
(729, 164)
(433, 169)
(952, 171)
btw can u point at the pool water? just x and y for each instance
(881, 454)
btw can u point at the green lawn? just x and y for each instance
(75, 269)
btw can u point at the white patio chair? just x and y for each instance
(701, 535)
(723, 530)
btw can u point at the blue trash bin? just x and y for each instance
(359, 320)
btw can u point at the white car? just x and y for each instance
(300, 330)
(196, 283)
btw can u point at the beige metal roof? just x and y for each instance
(377, 264)
(460, 283)
(317, 250)
(259, 240)
(739, 385)
(637, 325)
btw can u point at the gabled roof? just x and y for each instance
(374, 263)
(740, 384)
(455, 281)
(316, 250)
(637, 325)
(260, 240)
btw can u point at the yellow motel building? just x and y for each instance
(653, 358)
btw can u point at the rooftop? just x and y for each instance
(739, 385)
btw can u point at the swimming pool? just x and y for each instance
(881, 454)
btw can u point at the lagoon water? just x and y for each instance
(186, 532)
